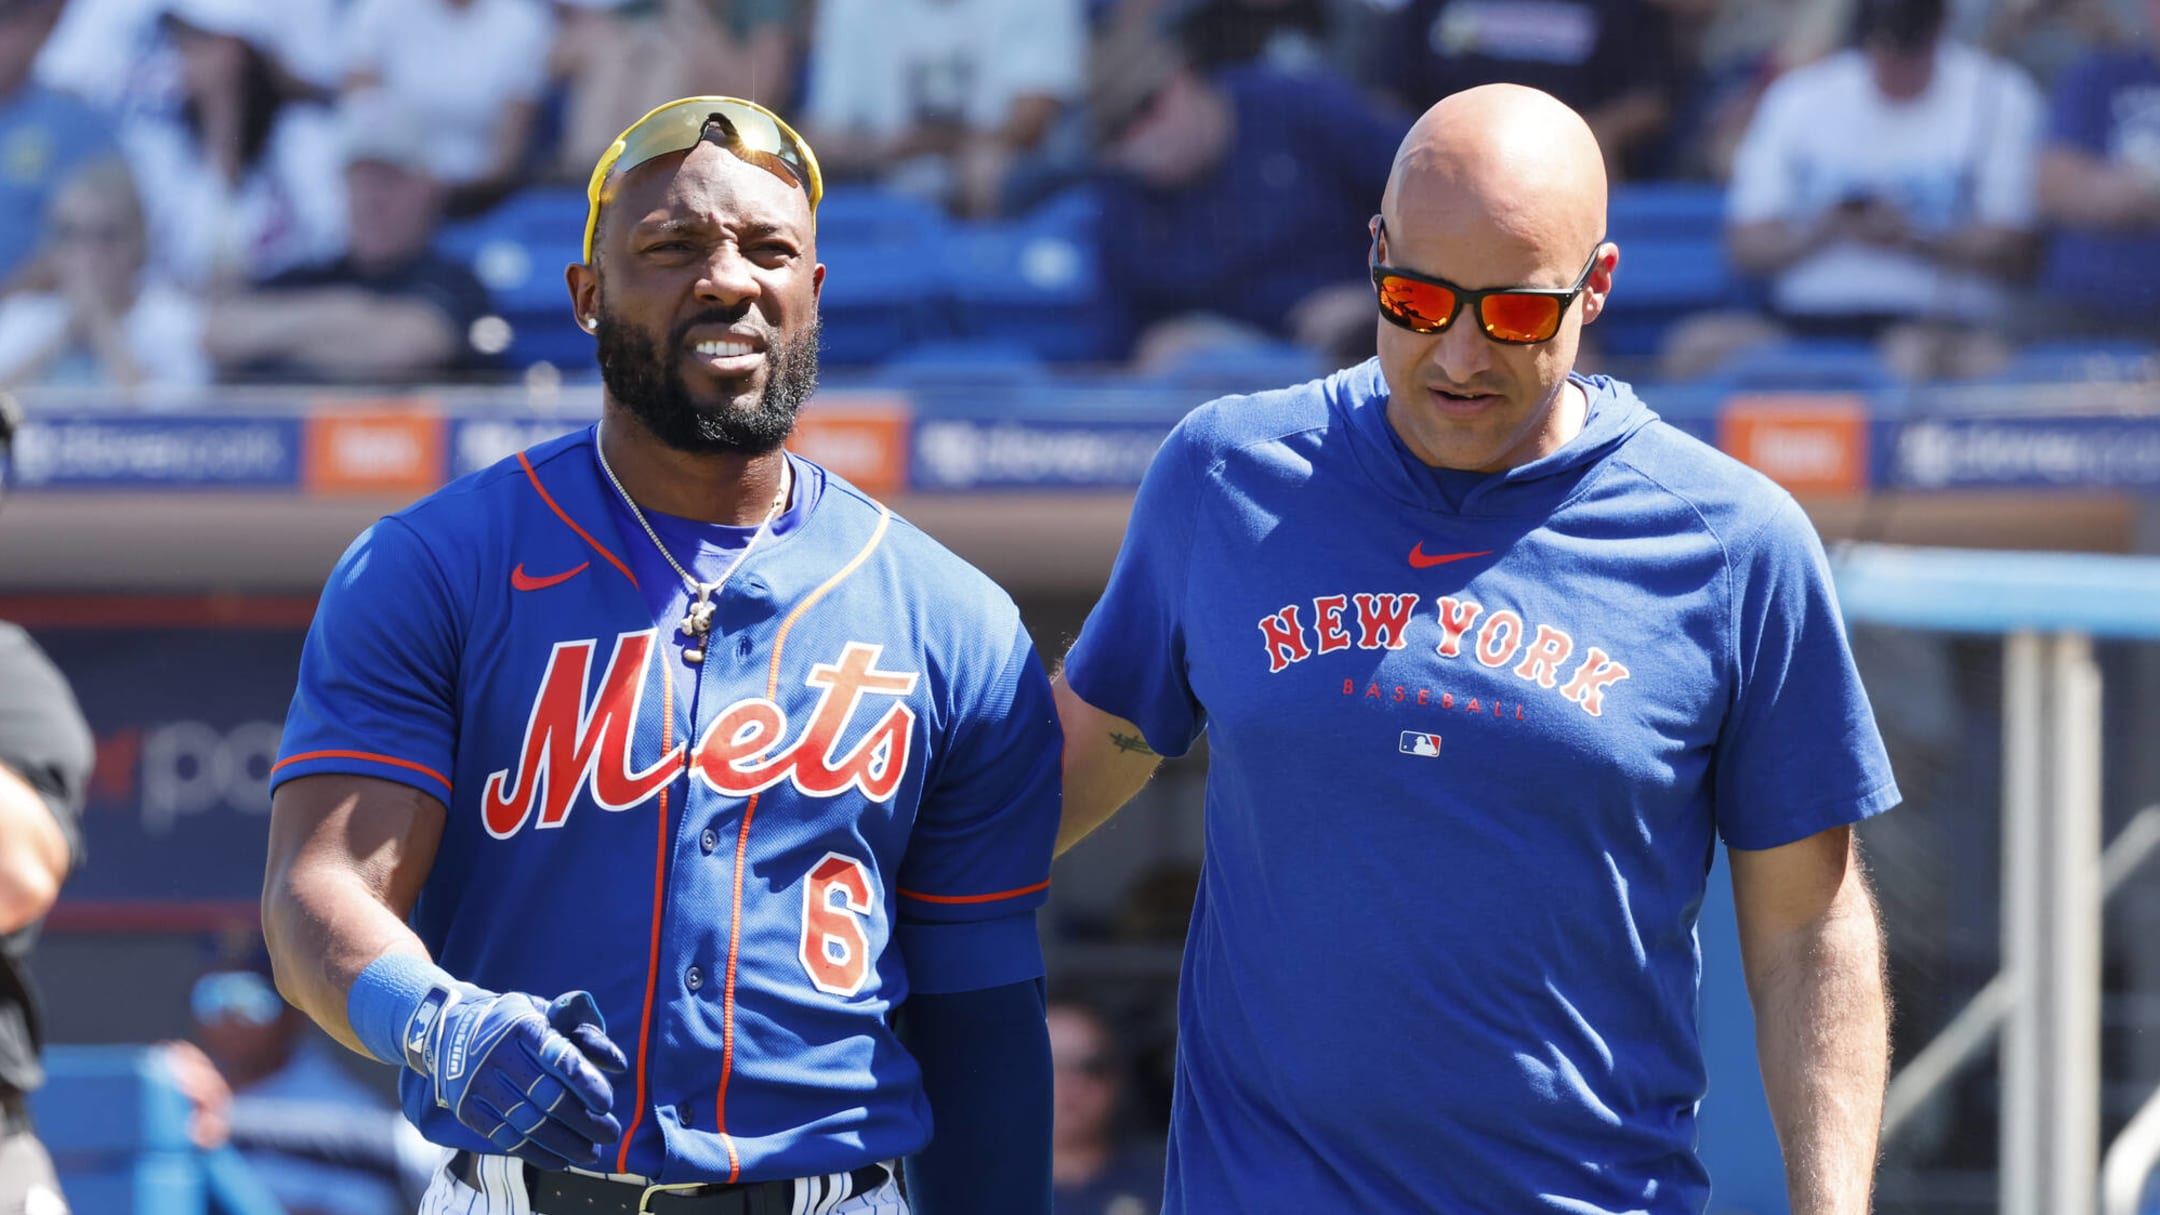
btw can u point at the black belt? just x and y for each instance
(14, 1115)
(554, 1193)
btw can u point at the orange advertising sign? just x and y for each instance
(860, 435)
(380, 450)
(1806, 442)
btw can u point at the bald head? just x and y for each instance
(1508, 160)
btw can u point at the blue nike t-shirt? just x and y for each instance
(1471, 746)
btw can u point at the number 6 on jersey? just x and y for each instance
(835, 949)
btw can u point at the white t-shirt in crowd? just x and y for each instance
(164, 333)
(454, 69)
(880, 67)
(287, 211)
(1961, 153)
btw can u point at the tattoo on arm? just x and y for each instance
(1130, 742)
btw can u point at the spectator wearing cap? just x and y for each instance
(105, 323)
(391, 309)
(1093, 1169)
(46, 135)
(1235, 203)
(257, 1077)
(619, 58)
(940, 97)
(242, 182)
(1886, 193)
(2100, 190)
(471, 71)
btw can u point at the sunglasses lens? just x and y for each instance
(1520, 318)
(1424, 307)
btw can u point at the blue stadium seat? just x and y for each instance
(1034, 281)
(1804, 364)
(963, 359)
(1214, 371)
(1664, 210)
(884, 279)
(1672, 262)
(2080, 362)
(116, 1126)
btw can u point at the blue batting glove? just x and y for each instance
(500, 1065)
(576, 1016)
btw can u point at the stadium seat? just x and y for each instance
(116, 1126)
(884, 281)
(965, 373)
(1664, 210)
(1672, 262)
(1214, 371)
(2077, 362)
(1804, 364)
(1033, 281)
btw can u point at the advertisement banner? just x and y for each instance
(94, 452)
(971, 453)
(187, 699)
(1810, 443)
(396, 450)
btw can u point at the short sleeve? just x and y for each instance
(1798, 752)
(1130, 658)
(978, 858)
(2007, 194)
(377, 692)
(43, 737)
(1765, 166)
(982, 837)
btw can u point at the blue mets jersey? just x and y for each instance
(749, 861)
(1467, 766)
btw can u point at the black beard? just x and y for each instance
(650, 385)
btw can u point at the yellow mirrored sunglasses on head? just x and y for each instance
(760, 137)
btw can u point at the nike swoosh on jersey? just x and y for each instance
(1419, 561)
(526, 582)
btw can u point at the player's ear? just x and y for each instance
(1601, 280)
(584, 284)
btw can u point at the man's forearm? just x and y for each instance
(322, 932)
(1822, 1034)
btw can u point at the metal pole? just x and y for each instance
(1974, 1029)
(2071, 933)
(2024, 715)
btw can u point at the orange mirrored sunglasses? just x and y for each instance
(1424, 303)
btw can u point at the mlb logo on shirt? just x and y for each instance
(1414, 743)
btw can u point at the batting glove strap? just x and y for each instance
(423, 1030)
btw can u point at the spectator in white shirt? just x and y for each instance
(1887, 192)
(242, 182)
(472, 71)
(103, 324)
(940, 96)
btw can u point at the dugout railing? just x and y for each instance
(2045, 1004)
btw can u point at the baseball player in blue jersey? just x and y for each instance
(669, 811)
(1489, 658)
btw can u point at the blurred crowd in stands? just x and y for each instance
(377, 191)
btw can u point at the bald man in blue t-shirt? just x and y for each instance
(1489, 659)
